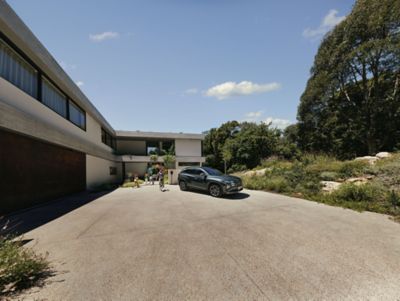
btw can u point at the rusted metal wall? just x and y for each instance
(32, 171)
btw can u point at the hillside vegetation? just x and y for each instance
(362, 186)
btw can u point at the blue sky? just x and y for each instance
(185, 65)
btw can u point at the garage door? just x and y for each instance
(32, 171)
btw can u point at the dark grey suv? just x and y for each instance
(209, 179)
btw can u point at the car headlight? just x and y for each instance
(230, 183)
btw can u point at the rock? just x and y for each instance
(260, 172)
(257, 173)
(329, 186)
(249, 173)
(371, 159)
(383, 155)
(357, 181)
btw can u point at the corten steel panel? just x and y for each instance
(32, 171)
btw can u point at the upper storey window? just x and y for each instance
(17, 71)
(54, 98)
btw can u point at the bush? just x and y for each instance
(19, 267)
(277, 184)
(353, 168)
(329, 176)
(131, 184)
(236, 168)
(359, 193)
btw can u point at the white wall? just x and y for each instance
(15, 97)
(131, 147)
(98, 172)
(136, 168)
(188, 148)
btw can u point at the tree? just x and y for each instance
(214, 141)
(240, 145)
(351, 104)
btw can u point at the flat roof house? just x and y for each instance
(53, 140)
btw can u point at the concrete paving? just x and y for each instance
(143, 244)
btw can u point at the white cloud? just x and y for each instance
(107, 35)
(258, 116)
(328, 22)
(191, 91)
(79, 83)
(253, 116)
(277, 122)
(229, 89)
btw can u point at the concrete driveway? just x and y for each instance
(143, 244)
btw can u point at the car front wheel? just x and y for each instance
(215, 190)
(183, 185)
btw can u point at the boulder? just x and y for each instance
(329, 186)
(383, 155)
(249, 173)
(371, 159)
(260, 172)
(358, 181)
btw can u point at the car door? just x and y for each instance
(189, 177)
(199, 180)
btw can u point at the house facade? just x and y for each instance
(53, 140)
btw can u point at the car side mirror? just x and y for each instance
(203, 176)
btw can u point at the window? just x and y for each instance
(17, 71)
(108, 139)
(153, 148)
(54, 98)
(113, 171)
(168, 146)
(16, 68)
(76, 115)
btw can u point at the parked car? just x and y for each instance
(209, 179)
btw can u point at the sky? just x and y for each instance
(186, 65)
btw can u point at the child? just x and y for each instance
(136, 181)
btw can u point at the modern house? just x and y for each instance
(53, 140)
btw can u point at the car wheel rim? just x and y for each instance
(214, 190)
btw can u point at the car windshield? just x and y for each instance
(212, 172)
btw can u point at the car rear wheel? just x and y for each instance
(215, 190)
(183, 185)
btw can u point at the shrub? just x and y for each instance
(277, 184)
(131, 184)
(358, 193)
(328, 176)
(19, 267)
(393, 199)
(236, 168)
(353, 168)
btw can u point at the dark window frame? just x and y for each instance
(40, 74)
(108, 139)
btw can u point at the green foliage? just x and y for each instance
(351, 104)
(302, 178)
(358, 193)
(394, 199)
(20, 267)
(353, 168)
(131, 184)
(329, 176)
(154, 158)
(243, 144)
(276, 184)
(169, 160)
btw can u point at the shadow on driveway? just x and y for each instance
(25, 220)
(236, 196)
